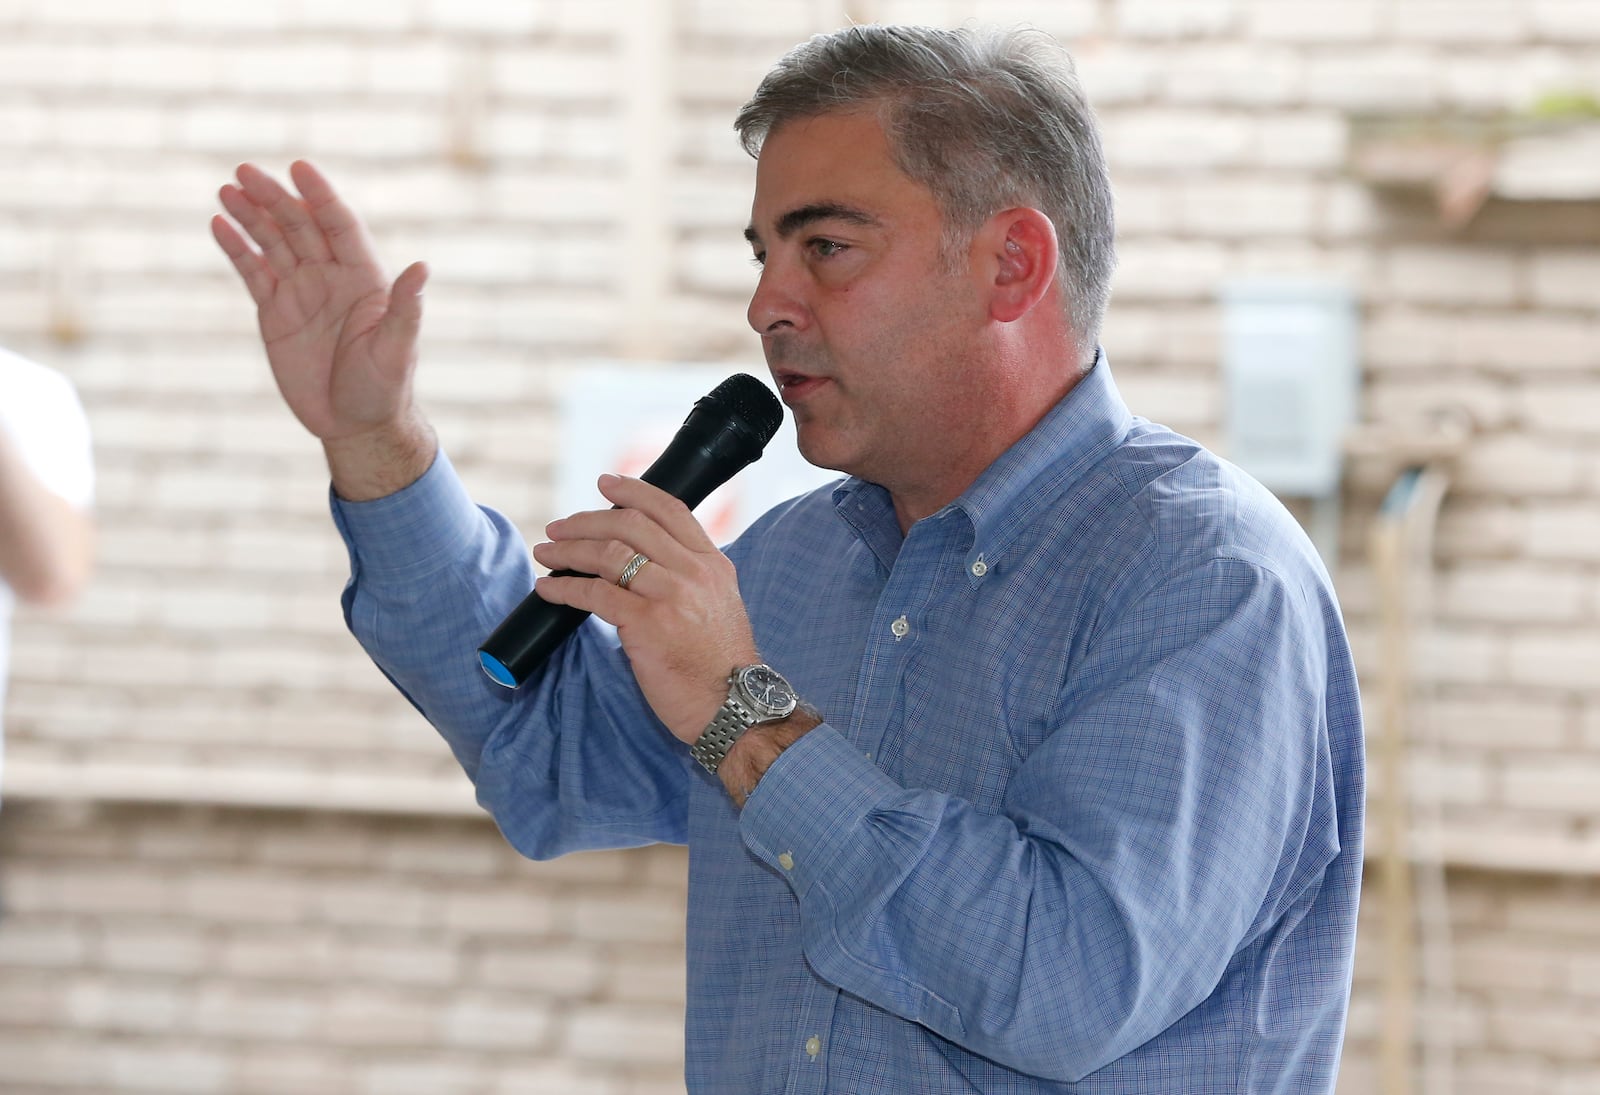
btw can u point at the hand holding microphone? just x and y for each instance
(725, 431)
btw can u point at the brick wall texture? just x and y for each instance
(568, 169)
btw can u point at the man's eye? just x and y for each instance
(759, 258)
(826, 248)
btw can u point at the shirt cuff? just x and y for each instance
(805, 817)
(414, 532)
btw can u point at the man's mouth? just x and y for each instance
(796, 385)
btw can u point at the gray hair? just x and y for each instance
(985, 119)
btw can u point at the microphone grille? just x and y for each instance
(748, 399)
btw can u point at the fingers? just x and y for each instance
(605, 600)
(662, 508)
(602, 541)
(289, 230)
(647, 521)
(633, 568)
(339, 226)
(652, 585)
(261, 228)
(258, 279)
(288, 212)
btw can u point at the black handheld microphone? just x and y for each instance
(725, 431)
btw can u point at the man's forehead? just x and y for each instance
(829, 165)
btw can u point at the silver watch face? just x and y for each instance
(768, 692)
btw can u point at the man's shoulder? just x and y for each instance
(1183, 504)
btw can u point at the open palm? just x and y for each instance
(342, 342)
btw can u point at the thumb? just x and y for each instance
(402, 322)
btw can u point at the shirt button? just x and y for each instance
(901, 628)
(980, 568)
(786, 861)
(813, 1046)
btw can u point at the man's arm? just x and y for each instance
(756, 751)
(431, 574)
(574, 758)
(382, 460)
(46, 543)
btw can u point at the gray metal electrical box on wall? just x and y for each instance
(1291, 374)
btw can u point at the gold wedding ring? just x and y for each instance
(631, 571)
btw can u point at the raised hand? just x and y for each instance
(341, 340)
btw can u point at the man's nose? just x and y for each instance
(775, 305)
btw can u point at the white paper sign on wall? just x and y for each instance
(618, 418)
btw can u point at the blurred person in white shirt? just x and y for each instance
(46, 488)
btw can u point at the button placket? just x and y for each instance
(907, 591)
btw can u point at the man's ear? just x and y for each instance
(1019, 247)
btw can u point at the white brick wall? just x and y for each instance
(490, 138)
(1314, 24)
(348, 953)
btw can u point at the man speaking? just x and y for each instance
(1026, 757)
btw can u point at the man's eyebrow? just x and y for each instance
(796, 219)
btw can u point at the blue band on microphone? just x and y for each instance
(496, 670)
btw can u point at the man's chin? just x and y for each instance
(817, 451)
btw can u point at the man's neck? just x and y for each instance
(915, 500)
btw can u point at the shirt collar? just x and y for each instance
(1070, 439)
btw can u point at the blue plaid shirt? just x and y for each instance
(1085, 815)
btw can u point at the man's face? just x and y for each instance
(865, 330)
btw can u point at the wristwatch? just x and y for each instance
(756, 694)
